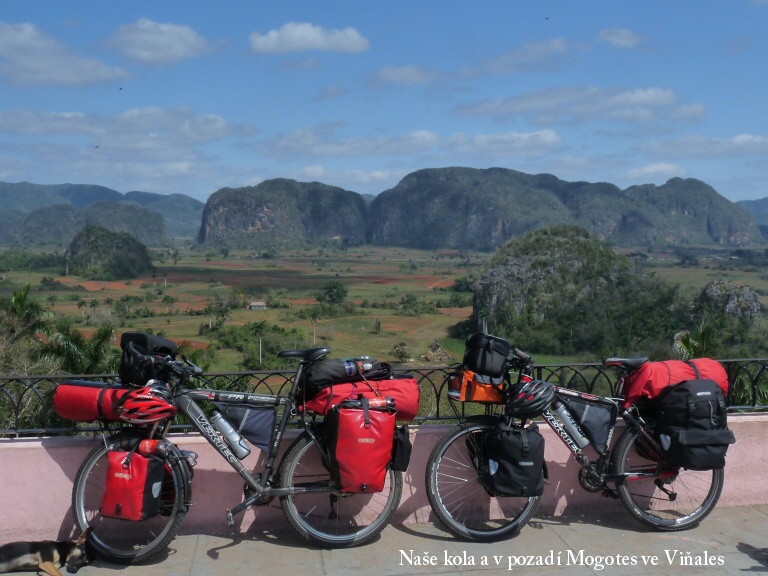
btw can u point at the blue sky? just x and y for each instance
(190, 97)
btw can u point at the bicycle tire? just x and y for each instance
(333, 519)
(458, 497)
(122, 541)
(694, 493)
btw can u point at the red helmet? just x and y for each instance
(147, 405)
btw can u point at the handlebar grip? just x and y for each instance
(522, 355)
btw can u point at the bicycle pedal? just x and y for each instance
(230, 519)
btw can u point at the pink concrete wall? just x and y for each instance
(36, 477)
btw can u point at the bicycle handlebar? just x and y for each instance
(527, 358)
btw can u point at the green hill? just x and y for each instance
(282, 213)
(98, 254)
(481, 209)
(180, 215)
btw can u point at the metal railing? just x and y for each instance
(26, 406)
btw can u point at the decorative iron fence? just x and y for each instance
(26, 407)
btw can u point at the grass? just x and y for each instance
(375, 275)
(371, 274)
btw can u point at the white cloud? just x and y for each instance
(30, 58)
(149, 130)
(347, 179)
(619, 37)
(330, 93)
(156, 43)
(550, 55)
(584, 104)
(518, 144)
(406, 75)
(656, 172)
(322, 141)
(708, 147)
(303, 36)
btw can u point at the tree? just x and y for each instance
(22, 316)
(697, 343)
(77, 354)
(313, 314)
(332, 292)
(400, 351)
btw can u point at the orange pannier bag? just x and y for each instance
(468, 386)
(651, 378)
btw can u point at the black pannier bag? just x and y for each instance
(513, 460)
(135, 368)
(692, 425)
(257, 425)
(486, 354)
(324, 373)
(401, 449)
(595, 420)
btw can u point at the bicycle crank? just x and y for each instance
(262, 500)
(590, 480)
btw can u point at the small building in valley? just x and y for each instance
(437, 353)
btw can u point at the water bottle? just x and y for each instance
(380, 402)
(570, 424)
(350, 368)
(231, 436)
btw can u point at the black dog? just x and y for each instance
(47, 556)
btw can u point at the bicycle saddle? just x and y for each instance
(629, 363)
(308, 355)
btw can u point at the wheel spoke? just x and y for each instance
(670, 499)
(335, 520)
(458, 497)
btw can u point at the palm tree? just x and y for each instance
(313, 314)
(82, 304)
(78, 354)
(697, 343)
(22, 316)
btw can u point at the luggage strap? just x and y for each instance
(98, 402)
(526, 446)
(695, 368)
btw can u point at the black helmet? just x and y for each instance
(529, 399)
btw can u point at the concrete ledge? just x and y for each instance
(36, 476)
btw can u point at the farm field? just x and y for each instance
(176, 299)
(172, 301)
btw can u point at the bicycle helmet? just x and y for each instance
(529, 399)
(147, 405)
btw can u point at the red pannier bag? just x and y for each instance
(404, 390)
(361, 434)
(85, 401)
(132, 487)
(651, 378)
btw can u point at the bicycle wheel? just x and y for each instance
(122, 541)
(671, 498)
(458, 497)
(333, 519)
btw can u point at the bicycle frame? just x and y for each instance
(187, 400)
(598, 467)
